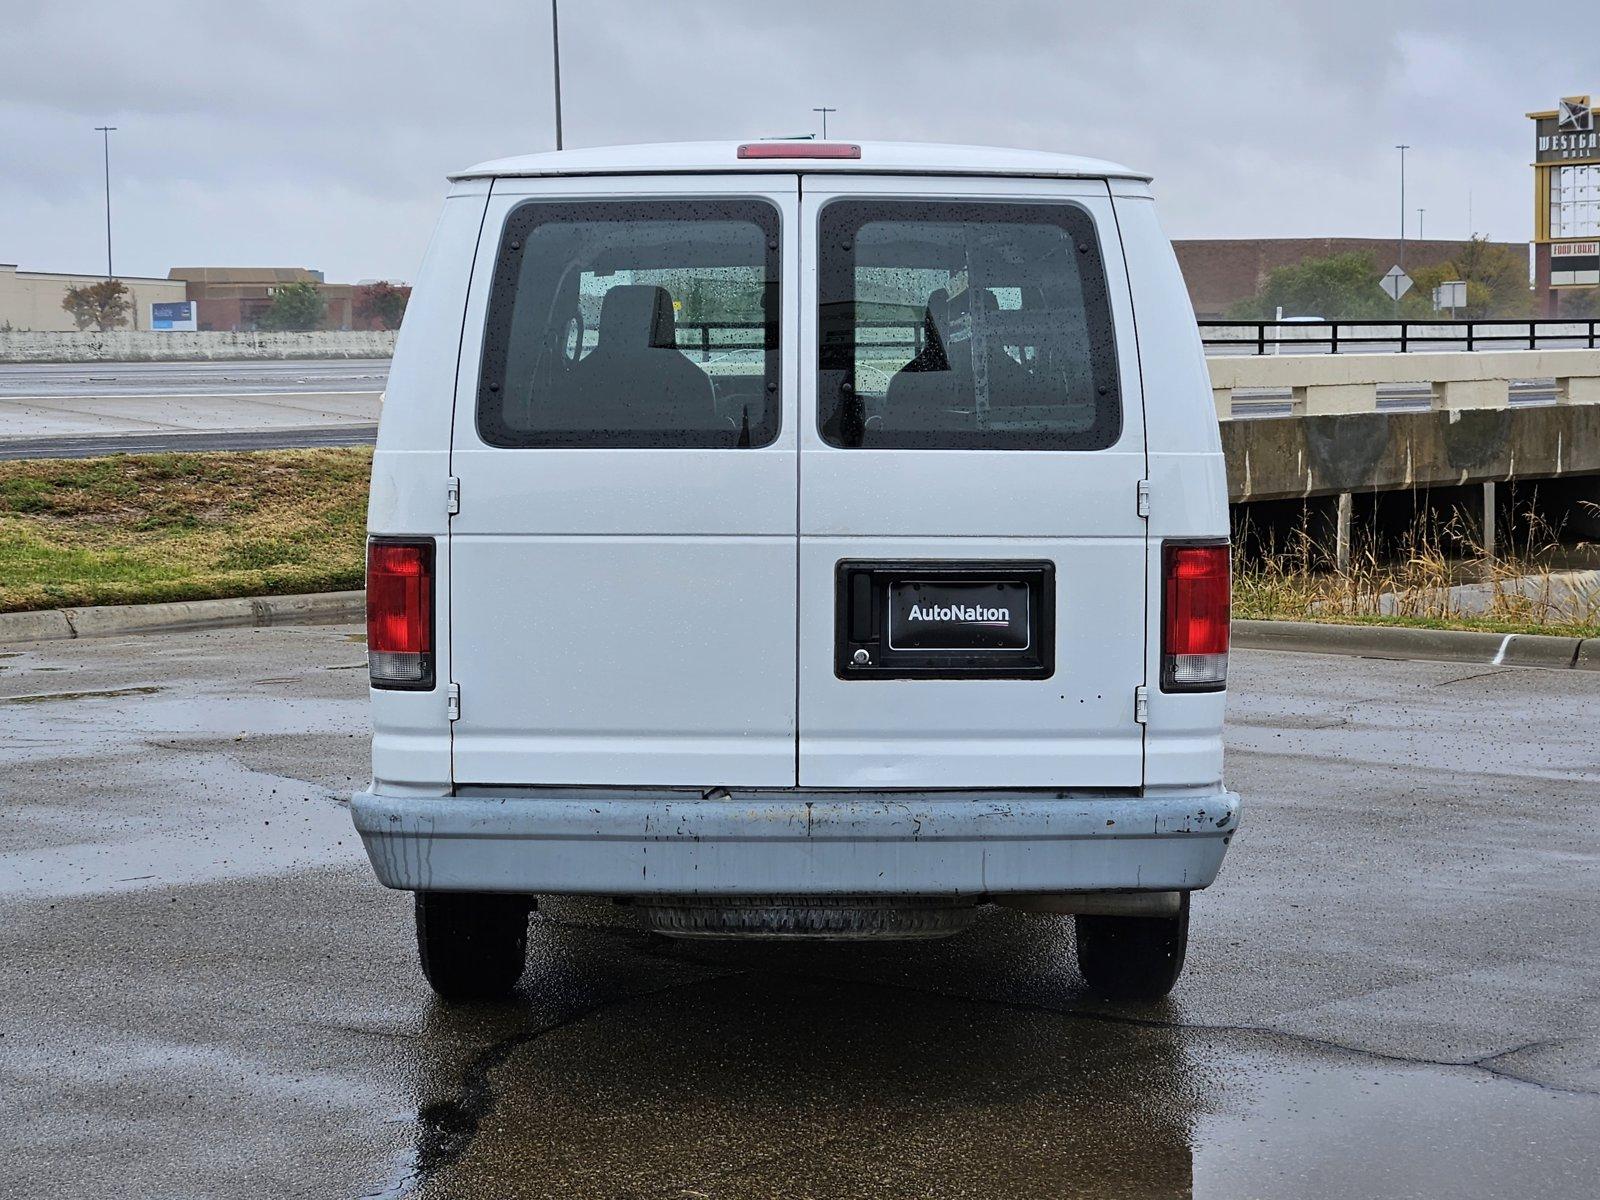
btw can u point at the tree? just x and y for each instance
(1496, 279)
(382, 302)
(1342, 287)
(295, 306)
(105, 305)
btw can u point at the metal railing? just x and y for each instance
(1390, 337)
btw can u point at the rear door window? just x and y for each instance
(616, 324)
(949, 326)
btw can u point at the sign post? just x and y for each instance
(1395, 284)
(1452, 295)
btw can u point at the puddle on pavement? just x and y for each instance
(781, 1086)
(100, 694)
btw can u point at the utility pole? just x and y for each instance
(555, 53)
(1402, 262)
(1402, 150)
(824, 111)
(105, 132)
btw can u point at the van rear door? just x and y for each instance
(623, 562)
(972, 554)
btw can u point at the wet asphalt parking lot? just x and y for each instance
(1393, 990)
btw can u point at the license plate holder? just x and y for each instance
(919, 619)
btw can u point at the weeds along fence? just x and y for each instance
(1437, 573)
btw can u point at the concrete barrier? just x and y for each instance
(124, 345)
(1336, 384)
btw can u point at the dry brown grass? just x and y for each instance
(137, 528)
(1439, 578)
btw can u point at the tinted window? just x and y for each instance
(964, 326)
(633, 324)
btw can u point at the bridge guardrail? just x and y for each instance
(1395, 336)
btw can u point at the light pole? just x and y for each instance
(1402, 150)
(1420, 211)
(824, 112)
(555, 53)
(105, 132)
(1402, 263)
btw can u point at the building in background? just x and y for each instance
(31, 300)
(225, 298)
(236, 298)
(1566, 202)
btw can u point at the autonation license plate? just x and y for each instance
(965, 615)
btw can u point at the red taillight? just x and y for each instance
(1194, 618)
(400, 613)
(799, 149)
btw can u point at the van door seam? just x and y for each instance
(796, 323)
(450, 467)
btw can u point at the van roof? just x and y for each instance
(908, 158)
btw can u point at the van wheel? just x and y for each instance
(473, 945)
(1133, 958)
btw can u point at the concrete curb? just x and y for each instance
(1444, 645)
(110, 620)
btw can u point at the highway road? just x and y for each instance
(70, 410)
(255, 376)
(1393, 990)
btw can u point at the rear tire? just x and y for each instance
(1133, 958)
(472, 945)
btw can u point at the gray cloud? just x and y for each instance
(319, 134)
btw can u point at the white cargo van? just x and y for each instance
(799, 539)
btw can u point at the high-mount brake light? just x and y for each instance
(1194, 617)
(799, 149)
(400, 613)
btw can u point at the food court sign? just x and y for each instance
(1568, 134)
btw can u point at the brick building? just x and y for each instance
(233, 298)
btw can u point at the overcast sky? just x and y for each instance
(318, 134)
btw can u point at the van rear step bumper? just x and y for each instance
(633, 842)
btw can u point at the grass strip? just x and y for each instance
(141, 528)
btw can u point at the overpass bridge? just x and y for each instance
(1363, 425)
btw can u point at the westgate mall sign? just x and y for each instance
(1568, 134)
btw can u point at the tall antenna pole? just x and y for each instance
(555, 51)
(824, 111)
(105, 132)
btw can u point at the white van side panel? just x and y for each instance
(411, 731)
(624, 616)
(1188, 480)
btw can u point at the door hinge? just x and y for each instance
(452, 495)
(1141, 705)
(452, 701)
(1144, 498)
